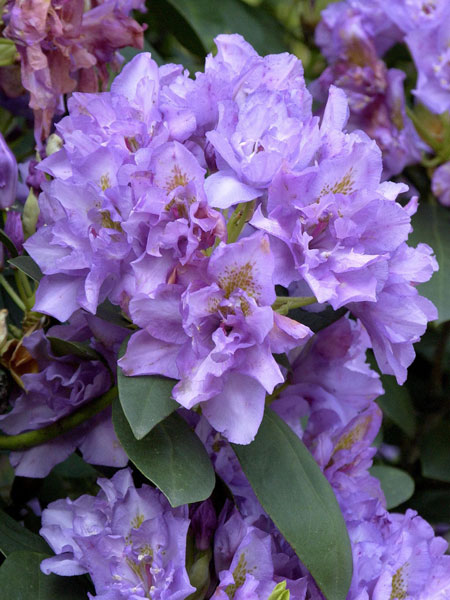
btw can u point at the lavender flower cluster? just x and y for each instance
(208, 211)
(150, 184)
(394, 556)
(354, 35)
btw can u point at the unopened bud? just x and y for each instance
(8, 175)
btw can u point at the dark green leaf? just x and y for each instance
(435, 452)
(294, 492)
(22, 579)
(79, 349)
(111, 313)
(397, 485)
(8, 243)
(171, 456)
(146, 400)
(317, 321)
(165, 19)
(396, 404)
(14, 537)
(74, 467)
(431, 225)
(27, 265)
(209, 19)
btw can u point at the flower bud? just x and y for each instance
(204, 522)
(8, 175)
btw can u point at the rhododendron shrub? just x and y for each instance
(213, 284)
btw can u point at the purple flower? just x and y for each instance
(261, 127)
(126, 200)
(440, 184)
(339, 20)
(430, 48)
(63, 384)
(129, 540)
(324, 217)
(203, 523)
(248, 562)
(8, 175)
(63, 48)
(217, 336)
(375, 93)
(399, 317)
(14, 229)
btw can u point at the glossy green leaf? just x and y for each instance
(8, 243)
(22, 579)
(14, 537)
(296, 495)
(146, 399)
(64, 347)
(209, 19)
(431, 225)
(396, 484)
(396, 404)
(435, 452)
(27, 265)
(111, 313)
(171, 456)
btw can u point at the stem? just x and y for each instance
(276, 392)
(283, 304)
(12, 294)
(22, 292)
(29, 439)
(241, 215)
(26, 285)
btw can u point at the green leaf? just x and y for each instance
(111, 313)
(146, 399)
(396, 404)
(317, 321)
(171, 456)
(431, 225)
(8, 243)
(435, 452)
(22, 579)
(27, 265)
(74, 467)
(208, 19)
(81, 350)
(296, 495)
(396, 484)
(280, 592)
(14, 537)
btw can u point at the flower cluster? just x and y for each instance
(64, 47)
(353, 36)
(207, 254)
(59, 385)
(140, 206)
(143, 538)
(331, 406)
